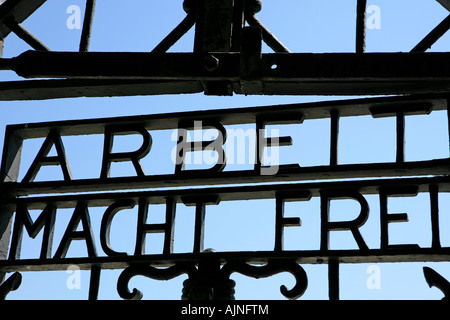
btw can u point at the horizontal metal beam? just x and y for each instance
(72, 88)
(192, 178)
(337, 67)
(377, 107)
(279, 74)
(234, 193)
(58, 89)
(251, 257)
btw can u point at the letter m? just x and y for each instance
(264, 309)
(45, 220)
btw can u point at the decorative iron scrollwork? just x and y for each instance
(270, 269)
(209, 281)
(11, 284)
(434, 279)
(150, 272)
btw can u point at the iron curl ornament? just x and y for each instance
(11, 284)
(210, 281)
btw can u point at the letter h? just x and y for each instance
(167, 228)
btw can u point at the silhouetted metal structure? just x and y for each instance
(227, 59)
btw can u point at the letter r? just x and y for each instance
(134, 156)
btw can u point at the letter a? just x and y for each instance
(374, 21)
(42, 158)
(74, 20)
(80, 213)
(374, 280)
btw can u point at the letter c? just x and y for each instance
(106, 225)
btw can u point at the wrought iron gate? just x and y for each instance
(227, 59)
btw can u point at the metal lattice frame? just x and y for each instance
(226, 59)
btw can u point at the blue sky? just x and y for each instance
(303, 26)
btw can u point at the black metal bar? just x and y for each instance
(199, 227)
(25, 35)
(251, 257)
(378, 107)
(169, 226)
(333, 279)
(71, 88)
(94, 282)
(365, 187)
(268, 37)
(238, 25)
(9, 171)
(400, 119)
(334, 139)
(87, 25)
(250, 64)
(434, 208)
(19, 9)
(298, 68)
(211, 36)
(433, 36)
(445, 4)
(448, 120)
(432, 167)
(2, 46)
(180, 30)
(361, 26)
